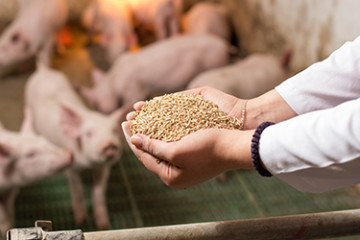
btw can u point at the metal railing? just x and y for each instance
(304, 226)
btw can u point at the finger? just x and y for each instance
(142, 155)
(138, 105)
(160, 149)
(131, 116)
(207, 93)
(135, 143)
(149, 161)
(165, 170)
(127, 130)
(192, 91)
(170, 174)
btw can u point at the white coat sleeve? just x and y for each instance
(316, 151)
(325, 84)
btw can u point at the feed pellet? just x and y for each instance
(172, 116)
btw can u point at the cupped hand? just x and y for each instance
(198, 156)
(195, 158)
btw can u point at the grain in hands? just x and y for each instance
(172, 116)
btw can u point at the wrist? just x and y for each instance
(267, 107)
(236, 149)
(237, 108)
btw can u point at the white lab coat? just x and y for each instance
(319, 150)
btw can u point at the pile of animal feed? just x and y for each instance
(172, 116)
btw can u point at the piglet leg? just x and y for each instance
(9, 202)
(5, 223)
(100, 179)
(77, 196)
(174, 27)
(7, 210)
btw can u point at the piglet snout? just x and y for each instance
(110, 151)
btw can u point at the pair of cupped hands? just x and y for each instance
(199, 156)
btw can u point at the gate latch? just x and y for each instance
(42, 231)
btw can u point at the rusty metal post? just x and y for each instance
(306, 226)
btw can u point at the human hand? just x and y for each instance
(195, 158)
(227, 103)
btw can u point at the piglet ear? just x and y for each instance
(5, 151)
(27, 124)
(70, 122)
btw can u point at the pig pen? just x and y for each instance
(135, 197)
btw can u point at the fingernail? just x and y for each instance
(130, 116)
(137, 141)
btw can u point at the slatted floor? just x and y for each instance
(137, 198)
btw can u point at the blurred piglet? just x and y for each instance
(246, 78)
(60, 115)
(33, 32)
(159, 16)
(112, 19)
(24, 159)
(206, 17)
(162, 67)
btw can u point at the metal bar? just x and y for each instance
(305, 226)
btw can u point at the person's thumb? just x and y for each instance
(157, 148)
(137, 140)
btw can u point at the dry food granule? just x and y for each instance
(172, 116)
